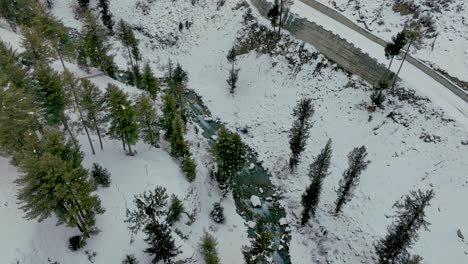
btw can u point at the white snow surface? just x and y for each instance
(266, 94)
(255, 201)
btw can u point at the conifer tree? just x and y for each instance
(189, 168)
(52, 97)
(83, 3)
(73, 87)
(208, 249)
(93, 101)
(149, 82)
(95, 46)
(161, 244)
(179, 147)
(232, 79)
(18, 118)
(54, 182)
(229, 153)
(123, 117)
(178, 84)
(317, 172)
(404, 231)
(273, 15)
(299, 132)
(19, 12)
(261, 249)
(169, 112)
(35, 48)
(14, 72)
(106, 15)
(147, 120)
(357, 164)
(393, 48)
(128, 39)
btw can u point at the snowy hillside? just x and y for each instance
(444, 27)
(412, 143)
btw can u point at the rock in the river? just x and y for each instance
(255, 200)
(251, 224)
(460, 235)
(283, 221)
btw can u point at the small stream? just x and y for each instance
(252, 180)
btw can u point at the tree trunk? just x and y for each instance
(280, 18)
(123, 142)
(401, 65)
(130, 152)
(96, 127)
(65, 124)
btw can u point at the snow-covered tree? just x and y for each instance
(299, 132)
(106, 15)
(404, 231)
(261, 249)
(357, 164)
(317, 172)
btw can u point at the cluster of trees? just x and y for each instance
(275, 14)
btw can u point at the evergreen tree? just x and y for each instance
(18, 118)
(14, 72)
(161, 243)
(123, 117)
(229, 153)
(176, 208)
(54, 182)
(299, 132)
(179, 147)
(178, 84)
(261, 249)
(100, 175)
(189, 168)
(232, 79)
(217, 214)
(317, 172)
(127, 37)
(208, 249)
(357, 164)
(35, 48)
(169, 112)
(95, 46)
(273, 15)
(151, 207)
(377, 96)
(19, 12)
(130, 259)
(52, 97)
(93, 101)
(73, 88)
(149, 83)
(106, 15)
(147, 120)
(83, 3)
(393, 48)
(404, 232)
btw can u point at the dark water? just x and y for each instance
(247, 183)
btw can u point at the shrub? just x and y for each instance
(217, 214)
(175, 210)
(208, 249)
(189, 168)
(101, 175)
(130, 259)
(76, 242)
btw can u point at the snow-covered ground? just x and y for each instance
(267, 91)
(448, 51)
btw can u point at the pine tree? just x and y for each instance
(189, 168)
(35, 48)
(130, 259)
(393, 48)
(73, 88)
(52, 97)
(147, 120)
(208, 249)
(169, 112)
(93, 103)
(54, 182)
(178, 84)
(404, 232)
(19, 118)
(95, 46)
(151, 206)
(161, 243)
(149, 83)
(217, 213)
(176, 208)
(14, 72)
(299, 132)
(106, 15)
(128, 39)
(179, 147)
(83, 3)
(123, 117)
(229, 153)
(317, 172)
(357, 164)
(261, 249)
(100, 175)
(232, 79)
(273, 15)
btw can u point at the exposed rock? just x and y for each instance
(255, 200)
